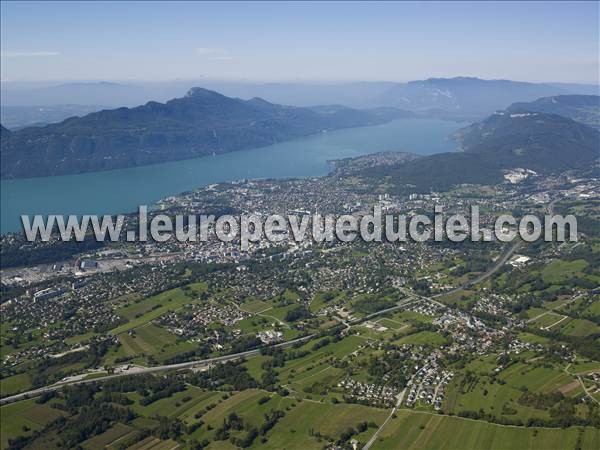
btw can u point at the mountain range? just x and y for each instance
(517, 138)
(465, 98)
(548, 134)
(203, 122)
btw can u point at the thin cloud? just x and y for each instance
(207, 51)
(221, 58)
(37, 54)
(214, 54)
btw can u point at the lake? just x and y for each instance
(120, 191)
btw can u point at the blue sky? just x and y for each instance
(532, 41)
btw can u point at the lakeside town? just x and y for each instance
(408, 326)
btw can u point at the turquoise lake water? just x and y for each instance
(119, 191)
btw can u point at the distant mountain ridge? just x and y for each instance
(201, 123)
(463, 96)
(13, 117)
(471, 97)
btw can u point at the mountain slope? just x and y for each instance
(4, 132)
(537, 141)
(201, 123)
(581, 108)
(544, 143)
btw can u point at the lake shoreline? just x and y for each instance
(115, 191)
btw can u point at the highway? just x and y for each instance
(497, 265)
(145, 370)
(479, 278)
(183, 365)
(499, 262)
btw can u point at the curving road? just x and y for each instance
(183, 365)
(497, 265)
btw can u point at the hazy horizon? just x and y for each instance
(54, 42)
(304, 81)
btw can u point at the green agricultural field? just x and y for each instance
(150, 308)
(484, 365)
(155, 341)
(392, 324)
(533, 338)
(422, 338)
(25, 417)
(457, 298)
(116, 432)
(254, 366)
(537, 379)
(251, 325)
(550, 319)
(580, 327)
(322, 299)
(15, 383)
(534, 312)
(295, 368)
(279, 312)
(594, 308)
(316, 383)
(501, 399)
(375, 334)
(412, 315)
(558, 304)
(290, 295)
(154, 444)
(198, 403)
(127, 299)
(558, 271)
(148, 339)
(293, 431)
(338, 349)
(113, 354)
(493, 398)
(195, 289)
(80, 338)
(177, 405)
(246, 405)
(255, 305)
(584, 366)
(145, 422)
(560, 323)
(425, 431)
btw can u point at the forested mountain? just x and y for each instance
(544, 143)
(201, 123)
(582, 108)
